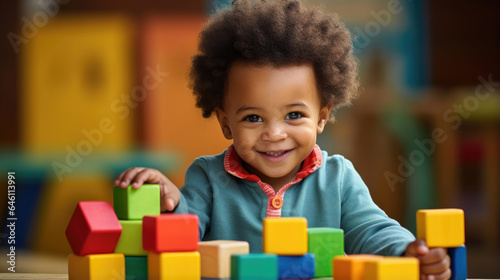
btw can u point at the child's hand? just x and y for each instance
(434, 262)
(136, 176)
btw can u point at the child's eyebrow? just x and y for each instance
(297, 104)
(245, 108)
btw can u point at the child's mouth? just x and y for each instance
(276, 156)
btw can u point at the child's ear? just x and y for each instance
(324, 114)
(224, 123)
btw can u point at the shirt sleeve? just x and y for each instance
(197, 195)
(367, 229)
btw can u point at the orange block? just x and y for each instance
(351, 267)
(170, 233)
(168, 43)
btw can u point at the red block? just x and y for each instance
(170, 233)
(93, 228)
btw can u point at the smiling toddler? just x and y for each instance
(272, 72)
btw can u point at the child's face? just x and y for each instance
(273, 116)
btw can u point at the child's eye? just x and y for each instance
(293, 116)
(253, 118)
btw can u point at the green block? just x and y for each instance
(130, 242)
(131, 204)
(254, 266)
(136, 268)
(325, 243)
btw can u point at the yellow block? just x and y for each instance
(351, 267)
(216, 256)
(96, 267)
(76, 94)
(392, 268)
(174, 266)
(441, 227)
(285, 236)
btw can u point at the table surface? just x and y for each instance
(65, 276)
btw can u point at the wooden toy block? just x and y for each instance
(254, 266)
(133, 204)
(441, 227)
(96, 267)
(136, 268)
(170, 233)
(296, 267)
(458, 262)
(392, 268)
(93, 228)
(216, 256)
(350, 267)
(174, 266)
(325, 243)
(130, 242)
(285, 236)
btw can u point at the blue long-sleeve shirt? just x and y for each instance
(333, 195)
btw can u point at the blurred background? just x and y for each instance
(90, 88)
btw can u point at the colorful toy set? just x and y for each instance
(134, 241)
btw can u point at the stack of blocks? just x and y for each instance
(301, 253)
(172, 241)
(131, 205)
(445, 228)
(132, 240)
(93, 232)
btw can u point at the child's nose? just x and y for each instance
(274, 132)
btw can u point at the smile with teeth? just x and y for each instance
(275, 154)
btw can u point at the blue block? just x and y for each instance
(296, 267)
(458, 258)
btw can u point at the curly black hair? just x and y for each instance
(278, 33)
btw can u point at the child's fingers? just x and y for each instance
(433, 256)
(169, 204)
(170, 195)
(441, 276)
(145, 175)
(436, 268)
(416, 248)
(126, 176)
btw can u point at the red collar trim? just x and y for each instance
(234, 166)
